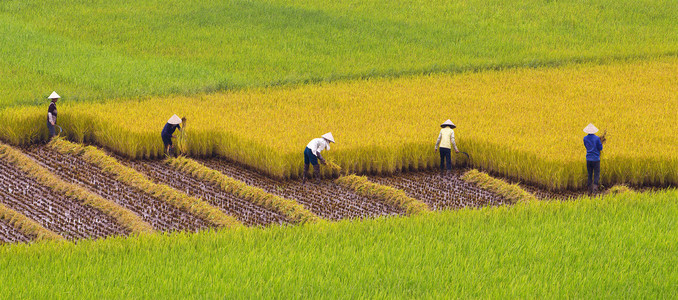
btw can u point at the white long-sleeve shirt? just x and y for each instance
(446, 139)
(317, 145)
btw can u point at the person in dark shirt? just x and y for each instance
(173, 124)
(593, 145)
(52, 114)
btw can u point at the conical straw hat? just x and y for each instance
(174, 120)
(448, 122)
(590, 129)
(54, 95)
(328, 136)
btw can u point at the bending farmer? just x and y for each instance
(593, 145)
(52, 114)
(445, 142)
(167, 133)
(312, 154)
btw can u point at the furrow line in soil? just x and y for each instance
(441, 190)
(9, 234)
(53, 211)
(160, 214)
(245, 211)
(326, 199)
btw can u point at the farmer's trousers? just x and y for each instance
(593, 168)
(52, 130)
(445, 158)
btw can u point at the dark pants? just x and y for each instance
(309, 157)
(167, 140)
(593, 168)
(445, 158)
(52, 130)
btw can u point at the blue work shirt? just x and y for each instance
(169, 129)
(593, 147)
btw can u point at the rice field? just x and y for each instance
(521, 123)
(619, 246)
(100, 212)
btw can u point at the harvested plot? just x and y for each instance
(248, 213)
(441, 190)
(326, 199)
(160, 214)
(52, 210)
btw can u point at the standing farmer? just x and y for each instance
(52, 114)
(445, 142)
(167, 133)
(593, 146)
(312, 154)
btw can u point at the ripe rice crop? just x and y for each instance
(107, 49)
(522, 123)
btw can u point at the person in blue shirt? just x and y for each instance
(173, 124)
(593, 145)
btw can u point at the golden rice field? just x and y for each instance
(522, 123)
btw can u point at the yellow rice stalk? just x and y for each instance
(27, 226)
(387, 194)
(133, 178)
(123, 216)
(511, 192)
(291, 209)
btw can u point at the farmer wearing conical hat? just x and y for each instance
(173, 124)
(593, 145)
(312, 154)
(52, 114)
(445, 142)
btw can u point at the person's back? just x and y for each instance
(593, 147)
(169, 129)
(446, 135)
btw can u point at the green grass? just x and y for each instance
(100, 49)
(616, 247)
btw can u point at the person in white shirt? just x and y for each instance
(445, 142)
(312, 154)
(52, 114)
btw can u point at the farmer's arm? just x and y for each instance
(440, 136)
(320, 158)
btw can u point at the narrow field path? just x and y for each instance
(441, 190)
(160, 214)
(326, 199)
(9, 234)
(245, 211)
(54, 211)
